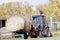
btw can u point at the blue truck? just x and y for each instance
(39, 26)
(43, 30)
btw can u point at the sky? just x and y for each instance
(31, 2)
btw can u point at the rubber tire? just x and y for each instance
(45, 35)
(32, 36)
(25, 35)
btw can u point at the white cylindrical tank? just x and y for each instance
(15, 23)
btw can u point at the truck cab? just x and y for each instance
(38, 18)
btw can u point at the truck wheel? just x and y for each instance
(32, 36)
(45, 35)
(25, 35)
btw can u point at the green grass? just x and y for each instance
(13, 39)
(54, 36)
